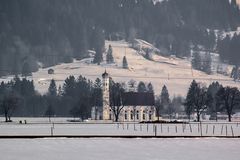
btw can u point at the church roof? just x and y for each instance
(138, 99)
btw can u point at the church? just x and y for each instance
(137, 107)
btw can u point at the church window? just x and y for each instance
(131, 115)
(150, 115)
(125, 115)
(137, 114)
(110, 116)
(144, 116)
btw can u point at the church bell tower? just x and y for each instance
(105, 90)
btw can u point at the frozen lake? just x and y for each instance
(122, 149)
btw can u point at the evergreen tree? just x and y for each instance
(207, 64)
(196, 61)
(189, 107)
(69, 86)
(109, 57)
(52, 90)
(26, 71)
(125, 63)
(99, 43)
(196, 99)
(165, 100)
(141, 87)
(150, 88)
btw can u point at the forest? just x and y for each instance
(36, 34)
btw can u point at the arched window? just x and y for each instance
(110, 114)
(150, 115)
(144, 116)
(125, 115)
(137, 115)
(131, 115)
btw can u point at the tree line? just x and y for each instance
(77, 97)
(212, 99)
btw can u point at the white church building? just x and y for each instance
(138, 107)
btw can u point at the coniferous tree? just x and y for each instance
(165, 100)
(99, 43)
(52, 90)
(141, 87)
(189, 106)
(26, 71)
(150, 88)
(196, 99)
(196, 61)
(207, 64)
(125, 63)
(109, 57)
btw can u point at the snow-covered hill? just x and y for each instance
(176, 73)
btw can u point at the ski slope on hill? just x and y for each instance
(175, 73)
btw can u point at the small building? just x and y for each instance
(136, 106)
(50, 71)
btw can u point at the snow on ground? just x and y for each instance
(122, 149)
(176, 73)
(41, 126)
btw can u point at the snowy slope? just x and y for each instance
(173, 72)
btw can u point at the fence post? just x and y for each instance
(226, 130)
(147, 127)
(213, 129)
(155, 130)
(51, 131)
(201, 128)
(198, 128)
(207, 129)
(190, 127)
(232, 131)
(161, 128)
(176, 128)
(222, 130)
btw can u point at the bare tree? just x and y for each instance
(116, 99)
(8, 105)
(49, 112)
(228, 98)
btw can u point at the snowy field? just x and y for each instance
(176, 73)
(119, 149)
(60, 126)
